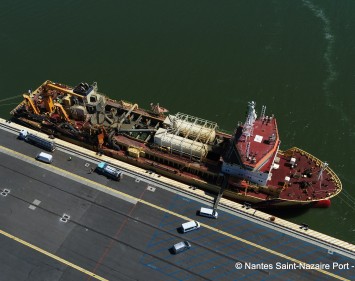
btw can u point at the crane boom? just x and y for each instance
(67, 91)
(62, 110)
(30, 102)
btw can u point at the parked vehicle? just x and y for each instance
(190, 226)
(36, 140)
(207, 212)
(181, 247)
(44, 157)
(109, 171)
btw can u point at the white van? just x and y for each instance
(189, 226)
(207, 212)
(44, 157)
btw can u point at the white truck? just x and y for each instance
(36, 140)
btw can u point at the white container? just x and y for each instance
(193, 130)
(180, 144)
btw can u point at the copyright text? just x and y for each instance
(294, 265)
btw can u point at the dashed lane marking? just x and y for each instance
(34, 204)
(129, 197)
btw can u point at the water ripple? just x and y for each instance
(330, 38)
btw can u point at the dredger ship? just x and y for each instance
(247, 165)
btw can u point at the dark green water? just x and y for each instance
(205, 58)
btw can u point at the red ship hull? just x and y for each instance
(246, 166)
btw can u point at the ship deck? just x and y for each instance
(295, 184)
(206, 166)
(304, 184)
(123, 231)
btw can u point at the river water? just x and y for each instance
(208, 59)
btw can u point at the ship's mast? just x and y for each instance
(247, 149)
(249, 122)
(96, 88)
(249, 126)
(263, 110)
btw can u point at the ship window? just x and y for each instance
(93, 99)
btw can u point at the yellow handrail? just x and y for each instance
(334, 177)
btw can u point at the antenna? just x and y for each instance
(320, 175)
(96, 88)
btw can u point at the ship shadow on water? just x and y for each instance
(287, 213)
(284, 212)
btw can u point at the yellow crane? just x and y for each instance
(62, 112)
(63, 90)
(31, 104)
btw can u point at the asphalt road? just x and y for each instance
(124, 230)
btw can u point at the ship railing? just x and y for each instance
(12, 112)
(290, 152)
(219, 130)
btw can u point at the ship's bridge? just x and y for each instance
(257, 151)
(253, 148)
(255, 143)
